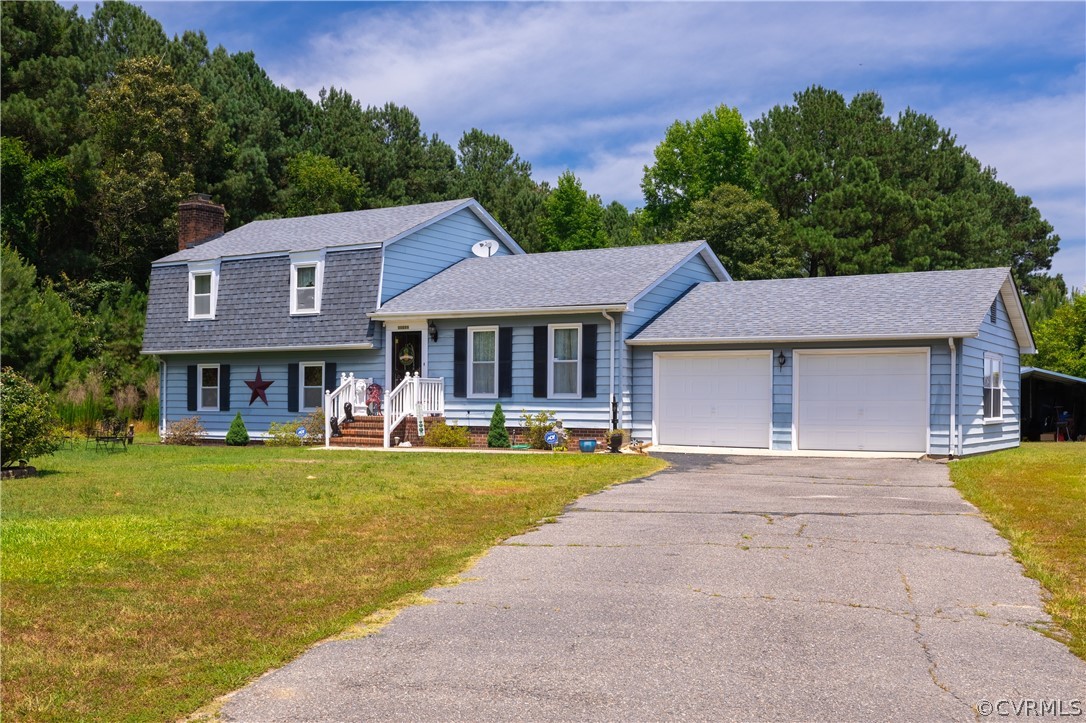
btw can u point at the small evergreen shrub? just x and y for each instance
(187, 431)
(536, 427)
(498, 436)
(440, 434)
(238, 436)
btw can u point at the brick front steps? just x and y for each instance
(369, 432)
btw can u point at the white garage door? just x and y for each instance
(870, 401)
(715, 399)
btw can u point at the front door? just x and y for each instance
(406, 355)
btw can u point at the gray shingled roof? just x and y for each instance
(253, 308)
(926, 304)
(594, 277)
(312, 233)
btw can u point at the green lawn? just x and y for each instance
(1036, 497)
(140, 585)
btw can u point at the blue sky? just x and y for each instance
(593, 86)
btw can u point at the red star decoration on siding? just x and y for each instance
(259, 387)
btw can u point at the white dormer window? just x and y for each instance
(203, 289)
(306, 282)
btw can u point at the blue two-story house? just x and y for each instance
(433, 311)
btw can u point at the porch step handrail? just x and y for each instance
(413, 395)
(350, 390)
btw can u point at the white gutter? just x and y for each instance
(614, 407)
(953, 434)
(469, 313)
(787, 339)
(242, 350)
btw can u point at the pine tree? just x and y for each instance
(237, 436)
(498, 435)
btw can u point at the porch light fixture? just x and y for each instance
(432, 328)
(781, 359)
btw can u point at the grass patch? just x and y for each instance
(1035, 496)
(141, 585)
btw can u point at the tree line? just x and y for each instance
(108, 124)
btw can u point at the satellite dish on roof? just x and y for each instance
(485, 249)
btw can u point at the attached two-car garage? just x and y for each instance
(852, 399)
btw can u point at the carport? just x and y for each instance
(1048, 395)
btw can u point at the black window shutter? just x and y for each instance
(505, 362)
(224, 387)
(460, 362)
(331, 381)
(192, 387)
(539, 361)
(588, 362)
(292, 387)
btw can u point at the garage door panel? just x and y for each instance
(720, 400)
(862, 401)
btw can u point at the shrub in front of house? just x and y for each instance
(187, 431)
(237, 436)
(30, 429)
(285, 434)
(440, 434)
(536, 427)
(498, 436)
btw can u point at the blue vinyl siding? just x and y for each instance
(427, 252)
(782, 418)
(592, 413)
(273, 366)
(998, 338)
(684, 278)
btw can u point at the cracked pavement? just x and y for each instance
(724, 588)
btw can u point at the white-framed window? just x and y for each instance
(993, 387)
(312, 381)
(203, 289)
(564, 361)
(306, 283)
(483, 361)
(208, 377)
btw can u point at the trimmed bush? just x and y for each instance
(498, 436)
(237, 436)
(442, 435)
(187, 431)
(30, 429)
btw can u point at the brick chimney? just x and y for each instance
(200, 220)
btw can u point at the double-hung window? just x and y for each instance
(306, 283)
(203, 289)
(312, 380)
(305, 288)
(209, 387)
(564, 367)
(201, 294)
(483, 361)
(993, 387)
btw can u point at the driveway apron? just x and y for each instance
(723, 588)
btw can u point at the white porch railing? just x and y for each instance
(412, 396)
(349, 390)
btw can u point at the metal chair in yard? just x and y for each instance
(112, 432)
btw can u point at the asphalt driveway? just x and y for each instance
(752, 588)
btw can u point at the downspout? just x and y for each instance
(611, 376)
(952, 437)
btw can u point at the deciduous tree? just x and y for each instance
(694, 158)
(742, 231)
